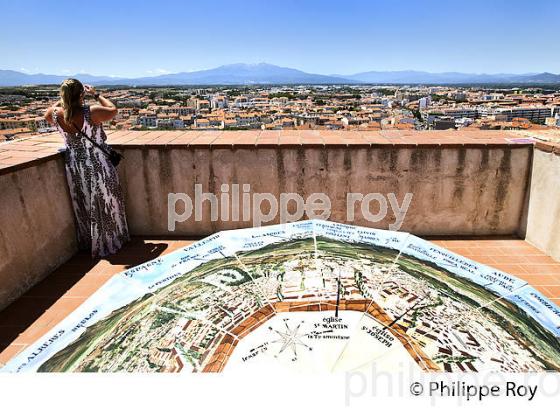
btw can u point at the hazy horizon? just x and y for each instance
(128, 39)
(279, 65)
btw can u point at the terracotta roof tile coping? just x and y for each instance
(548, 146)
(29, 151)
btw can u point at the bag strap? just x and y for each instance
(83, 134)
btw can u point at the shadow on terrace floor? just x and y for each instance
(137, 252)
(68, 286)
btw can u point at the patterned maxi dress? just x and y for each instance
(95, 190)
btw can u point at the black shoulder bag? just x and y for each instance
(113, 155)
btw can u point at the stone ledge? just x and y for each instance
(547, 146)
(20, 154)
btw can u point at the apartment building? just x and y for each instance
(176, 123)
(32, 123)
(219, 102)
(534, 114)
(177, 110)
(148, 120)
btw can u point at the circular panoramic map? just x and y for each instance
(311, 296)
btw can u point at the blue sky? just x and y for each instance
(141, 38)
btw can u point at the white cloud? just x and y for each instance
(158, 71)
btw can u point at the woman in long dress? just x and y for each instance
(93, 180)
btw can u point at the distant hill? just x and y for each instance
(544, 78)
(15, 78)
(234, 74)
(247, 74)
(244, 74)
(422, 77)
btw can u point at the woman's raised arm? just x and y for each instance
(105, 111)
(49, 112)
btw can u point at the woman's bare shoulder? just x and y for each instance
(100, 114)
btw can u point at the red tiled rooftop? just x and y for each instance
(46, 304)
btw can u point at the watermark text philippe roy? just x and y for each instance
(235, 203)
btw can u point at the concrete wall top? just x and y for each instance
(27, 152)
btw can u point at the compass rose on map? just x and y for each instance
(290, 339)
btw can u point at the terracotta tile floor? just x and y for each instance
(64, 290)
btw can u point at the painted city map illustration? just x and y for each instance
(311, 296)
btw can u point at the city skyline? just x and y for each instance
(315, 37)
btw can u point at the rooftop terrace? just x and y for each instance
(492, 196)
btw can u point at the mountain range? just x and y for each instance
(247, 74)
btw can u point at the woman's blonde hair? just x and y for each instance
(71, 92)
